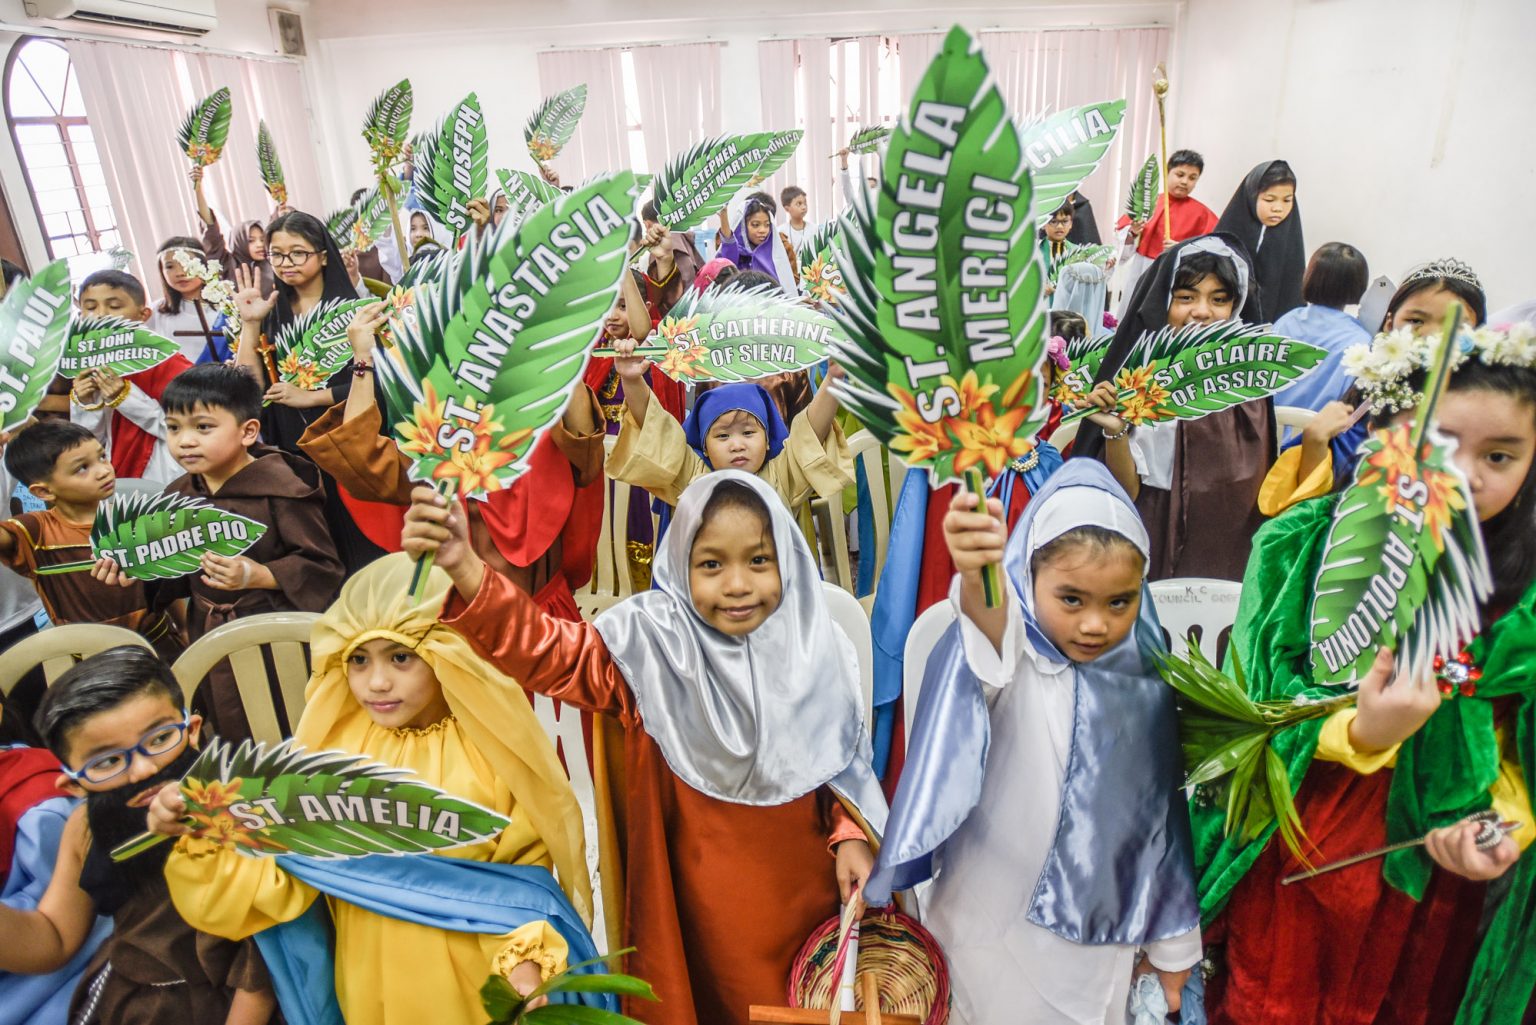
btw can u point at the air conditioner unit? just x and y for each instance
(184, 17)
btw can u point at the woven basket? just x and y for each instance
(902, 955)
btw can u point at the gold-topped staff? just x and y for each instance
(1160, 90)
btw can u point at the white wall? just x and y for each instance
(1407, 120)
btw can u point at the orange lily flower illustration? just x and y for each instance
(920, 440)
(421, 430)
(1146, 405)
(213, 795)
(1394, 461)
(991, 439)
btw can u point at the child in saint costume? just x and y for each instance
(541, 533)
(184, 316)
(393, 683)
(735, 426)
(743, 738)
(1042, 784)
(1198, 481)
(124, 412)
(1326, 455)
(918, 570)
(118, 723)
(1188, 218)
(33, 816)
(753, 243)
(1264, 216)
(1416, 937)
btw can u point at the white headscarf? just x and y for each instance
(761, 719)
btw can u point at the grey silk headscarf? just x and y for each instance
(762, 719)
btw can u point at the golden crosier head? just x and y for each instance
(1160, 81)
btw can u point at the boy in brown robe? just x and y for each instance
(212, 420)
(118, 724)
(64, 464)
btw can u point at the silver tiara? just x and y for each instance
(1449, 268)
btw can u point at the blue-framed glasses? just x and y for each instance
(109, 765)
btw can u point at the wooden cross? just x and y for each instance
(761, 1015)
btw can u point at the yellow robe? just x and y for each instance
(655, 456)
(388, 972)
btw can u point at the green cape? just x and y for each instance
(1443, 772)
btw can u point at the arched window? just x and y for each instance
(58, 152)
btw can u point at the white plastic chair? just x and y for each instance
(58, 648)
(1290, 419)
(1202, 606)
(921, 640)
(1065, 434)
(849, 615)
(285, 635)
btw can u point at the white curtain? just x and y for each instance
(833, 91)
(678, 96)
(136, 98)
(600, 144)
(1043, 72)
(777, 60)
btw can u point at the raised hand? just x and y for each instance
(629, 366)
(362, 331)
(248, 299)
(1389, 710)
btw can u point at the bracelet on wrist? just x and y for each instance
(120, 397)
(1122, 433)
(361, 369)
(88, 407)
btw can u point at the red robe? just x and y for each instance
(718, 897)
(27, 778)
(131, 444)
(1191, 219)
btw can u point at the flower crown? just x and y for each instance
(1383, 369)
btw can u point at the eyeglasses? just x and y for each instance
(109, 765)
(292, 258)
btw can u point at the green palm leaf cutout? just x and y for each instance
(742, 335)
(1142, 196)
(1227, 740)
(452, 166)
(342, 227)
(819, 241)
(205, 129)
(507, 1007)
(1084, 356)
(157, 537)
(696, 183)
(868, 139)
(34, 320)
(1076, 252)
(113, 343)
(312, 348)
(949, 373)
(1200, 369)
(271, 167)
(387, 124)
(551, 126)
(1065, 148)
(1404, 566)
(493, 348)
(525, 192)
(281, 799)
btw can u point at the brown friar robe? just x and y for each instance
(1204, 525)
(718, 897)
(541, 533)
(661, 295)
(44, 539)
(283, 493)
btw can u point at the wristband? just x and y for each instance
(362, 369)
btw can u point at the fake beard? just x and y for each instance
(118, 815)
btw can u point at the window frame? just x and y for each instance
(61, 123)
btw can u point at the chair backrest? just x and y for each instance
(1201, 606)
(829, 541)
(59, 647)
(286, 636)
(1289, 420)
(1065, 434)
(921, 640)
(849, 615)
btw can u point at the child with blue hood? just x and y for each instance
(1042, 789)
(733, 427)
